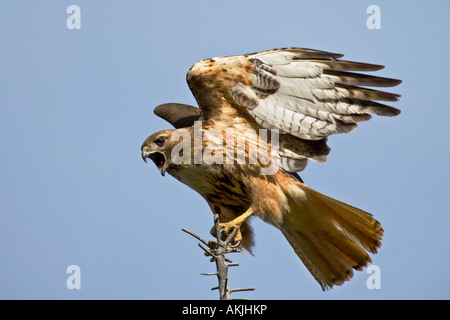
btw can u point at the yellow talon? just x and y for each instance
(228, 227)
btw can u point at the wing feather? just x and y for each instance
(177, 114)
(307, 94)
(357, 79)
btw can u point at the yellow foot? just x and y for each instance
(230, 248)
(228, 228)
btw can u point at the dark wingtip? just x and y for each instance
(178, 114)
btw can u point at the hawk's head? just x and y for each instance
(158, 148)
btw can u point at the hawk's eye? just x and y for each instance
(159, 141)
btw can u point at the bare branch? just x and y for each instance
(209, 253)
(242, 289)
(233, 264)
(195, 236)
(217, 250)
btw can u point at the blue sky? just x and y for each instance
(75, 106)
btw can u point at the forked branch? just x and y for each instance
(217, 251)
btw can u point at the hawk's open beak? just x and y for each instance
(158, 159)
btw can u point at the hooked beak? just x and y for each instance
(158, 158)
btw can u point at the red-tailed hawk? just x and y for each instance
(306, 95)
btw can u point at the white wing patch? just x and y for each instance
(310, 95)
(299, 70)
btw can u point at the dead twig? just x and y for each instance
(217, 251)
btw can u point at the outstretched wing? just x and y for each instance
(177, 114)
(311, 94)
(306, 94)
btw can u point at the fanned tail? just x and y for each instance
(330, 237)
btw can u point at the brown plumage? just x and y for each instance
(306, 95)
(178, 114)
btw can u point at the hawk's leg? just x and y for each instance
(228, 227)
